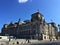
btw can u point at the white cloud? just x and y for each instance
(22, 1)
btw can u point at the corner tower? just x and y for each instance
(37, 16)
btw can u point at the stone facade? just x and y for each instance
(36, 28)
(53, 33)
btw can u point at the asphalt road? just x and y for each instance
(47, 43)
(42, 43)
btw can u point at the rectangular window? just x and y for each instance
(0, 37)
(44, 37)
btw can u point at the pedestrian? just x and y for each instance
(17, 42)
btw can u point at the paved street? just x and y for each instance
(39, 43)
(45, 43)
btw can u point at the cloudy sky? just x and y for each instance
(22, 1)
(12, 10)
